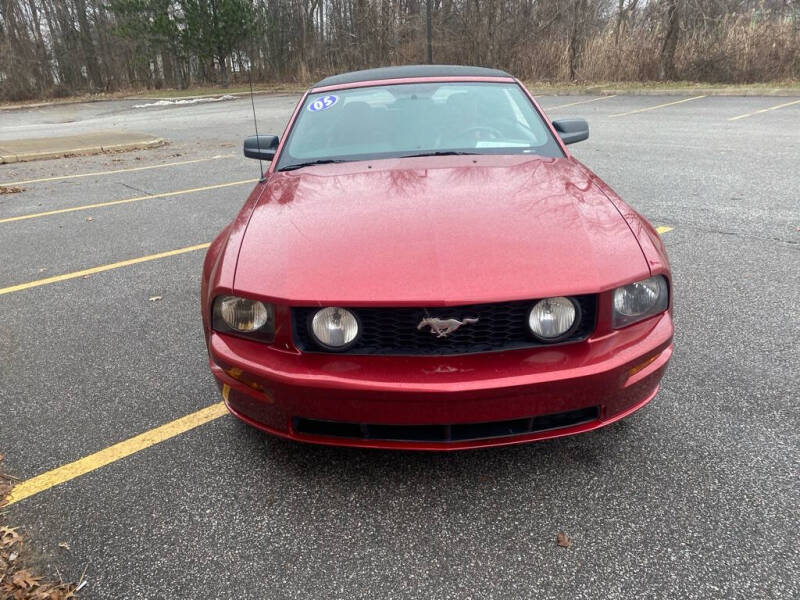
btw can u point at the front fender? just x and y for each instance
(219, 265)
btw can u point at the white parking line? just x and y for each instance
(763, 110)
(581, 102)
(641, 110)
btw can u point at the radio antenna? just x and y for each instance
(255, 121)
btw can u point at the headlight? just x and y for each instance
(552, 319)
(640, 300)
(251, 318)
(335, 328)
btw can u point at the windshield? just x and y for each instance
(416, 119)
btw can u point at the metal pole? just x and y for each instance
(430, 34)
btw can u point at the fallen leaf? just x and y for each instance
(64, 545)
(11, 189)
(13, 556)
(563, 540)
(23, 579)
(50, 592)
(154, 298)
(9, 536)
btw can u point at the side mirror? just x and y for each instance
(572, 130)
(262, 147)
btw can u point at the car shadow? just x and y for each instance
(591, 452)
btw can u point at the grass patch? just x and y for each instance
(274, 88)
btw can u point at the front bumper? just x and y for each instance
(603, 379)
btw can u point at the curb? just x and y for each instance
(82, 151)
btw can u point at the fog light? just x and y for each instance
(552, 319)
(335, 328)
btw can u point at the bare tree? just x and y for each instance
(57, 47)
(670, 43)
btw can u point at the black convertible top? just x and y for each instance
(408, 72)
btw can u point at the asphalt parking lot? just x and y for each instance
(695, 496)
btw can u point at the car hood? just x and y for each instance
(435, 231)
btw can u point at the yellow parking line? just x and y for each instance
(129, 170)
(60, 211)
(640, 110)
(62, 474)
(663, 229)
(123, 263)
(581, 102)
(763, 110)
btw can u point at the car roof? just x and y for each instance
(410, 72)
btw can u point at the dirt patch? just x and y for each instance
(18, 581)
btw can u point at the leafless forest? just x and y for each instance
(61, 47)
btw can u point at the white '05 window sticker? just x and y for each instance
(322, 103)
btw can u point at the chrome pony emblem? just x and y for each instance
(443, 327)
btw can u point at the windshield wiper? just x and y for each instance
(328, 161)
(311, 163)
(440, 153)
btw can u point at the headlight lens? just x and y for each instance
(640, 300)
(552, 318)
(232, 314)
(334, 327)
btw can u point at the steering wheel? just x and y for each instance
(494, 132)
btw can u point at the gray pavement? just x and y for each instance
(695, 496)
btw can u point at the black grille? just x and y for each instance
(446, 433)
(500, 326)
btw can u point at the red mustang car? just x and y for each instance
(425, 266)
